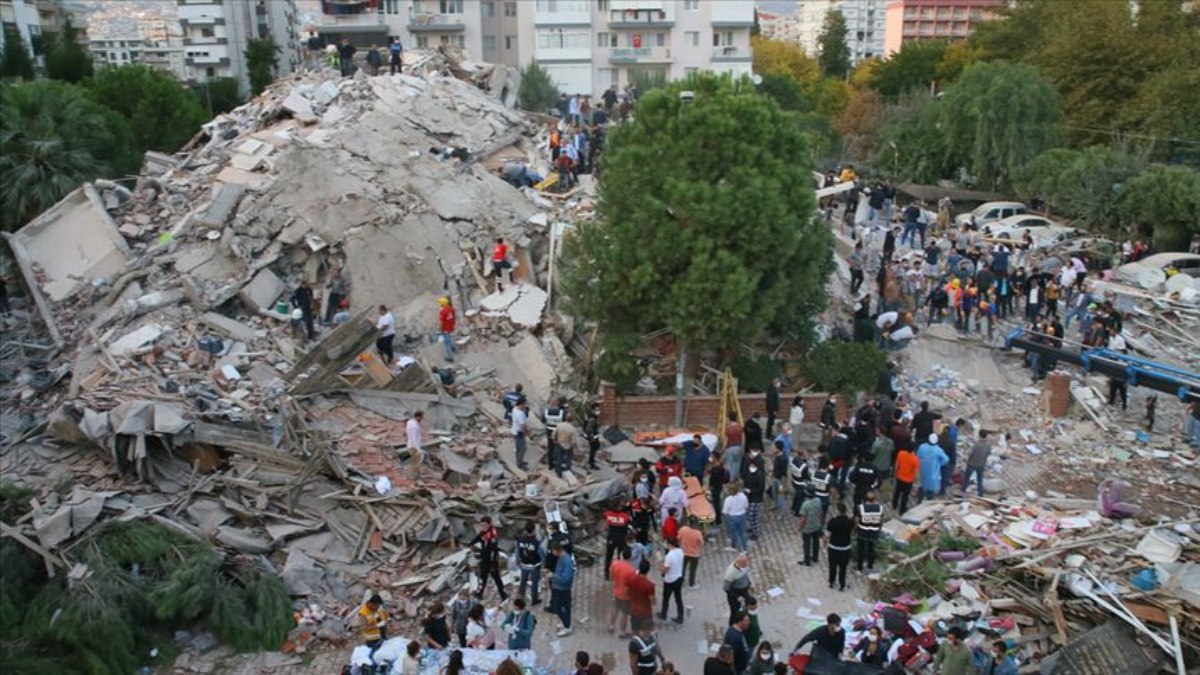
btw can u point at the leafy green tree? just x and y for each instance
(66, 60)
(52, 138)
(1164, 203)
(910, 145)
(997, 117)
(832, 46)
(218, 95)
(845, 367)
(164, 114)
(1081, 184)
(16, 61)
(701, 230)
(913, 67)
(648, 80)
(262, 59)
(537, 92)
(784, 91)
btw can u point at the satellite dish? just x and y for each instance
(756, 79)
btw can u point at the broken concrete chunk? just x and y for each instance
(262, 291)
(136, 339)
(223, 206)
(231, 327)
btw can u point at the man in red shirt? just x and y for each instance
(622, 573)
(446, 320)
(500, 262)
(641, 597)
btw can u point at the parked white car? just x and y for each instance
(990, 212)
(1043, 231)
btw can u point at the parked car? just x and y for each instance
(1045, 232)
(989, 212)
(1184, 263)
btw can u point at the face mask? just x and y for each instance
(752, 612)
(765, 656)
(871, 637)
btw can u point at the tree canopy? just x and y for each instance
(52, 138)
(832, 46)
(164, 114)
(913, 67)
(537, 91)
(1084, 185)
(702, 229)
(66, 59)
(997, 117)
(15, 61)
(262, 59)
(1164, 203)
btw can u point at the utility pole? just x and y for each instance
(680, 362)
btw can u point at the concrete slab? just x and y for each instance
(224, 203)
(231, 327)
(75, 239)
(136, 338)
(536, 371)
(262, 291)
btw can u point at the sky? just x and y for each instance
(777, 6)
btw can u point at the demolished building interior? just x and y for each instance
(166, 382)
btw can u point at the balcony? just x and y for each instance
(210, 60)
(366, 20)
(420, 22)
(731, 53)
(640, 55)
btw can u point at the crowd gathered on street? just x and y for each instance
(869, 465)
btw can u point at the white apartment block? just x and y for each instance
(20, 17)
(585, 45)
(865, 21)
(163, 53)
(216, 32)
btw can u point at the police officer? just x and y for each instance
(618, 520)
(553, 417)
(868, 517)
(799, 474)
(512, 399)
(591, 431)
(864, 476)
(529, 558)
(488, 541)
(820, 483)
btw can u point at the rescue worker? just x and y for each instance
(446, 322)
(668, 467)
(800, 475)
(868, 518)
(820, 483)
(618, 520)
(864, 477)
(488, 541)
(529, 558)
(373, 622)
(512, 399)
(553, 416)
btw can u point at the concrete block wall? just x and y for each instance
(639, 412)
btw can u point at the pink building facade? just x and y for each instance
(911, 20)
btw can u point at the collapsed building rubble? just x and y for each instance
(167, 307)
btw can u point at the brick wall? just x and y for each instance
(699, 411)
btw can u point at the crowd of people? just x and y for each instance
(834, 499)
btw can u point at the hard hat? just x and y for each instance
(297, 314)
(444, 301)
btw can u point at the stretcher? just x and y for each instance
(700, 510)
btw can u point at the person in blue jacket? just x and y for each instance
(932, 459)
(560, 586)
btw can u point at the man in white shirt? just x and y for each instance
(672, 571)
(413, 429)
(520, 418)
(387, 335)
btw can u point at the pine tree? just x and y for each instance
(262, 58)
(16, 60)
(834, 50)
(66, 60)
(537, 92)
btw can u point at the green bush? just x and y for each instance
(845, 367)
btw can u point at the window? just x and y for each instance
(206, 32)
(608, 76)
(560, 38)
(660, 39)
(422, 42)
(510, 9)
(489, 10)
(603, 40)
(691, 38)
(510, 42)
(390, 7)
(547, 6)
(456, 40)
(723, 39)
(210, 72)
(450, 6)
(489, 43)
(691, 5)
(602, 5)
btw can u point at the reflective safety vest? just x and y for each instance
(820, 481)
(647, 658)
(870, 517)
(798, 470)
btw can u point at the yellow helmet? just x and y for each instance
(444, 301)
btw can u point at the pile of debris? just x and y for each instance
(170, 340)
(1041, 573)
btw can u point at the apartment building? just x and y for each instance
(865, 24)
(585, 45)
(19, 18)
(911, 20)
(160, 50)
(216, 32)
